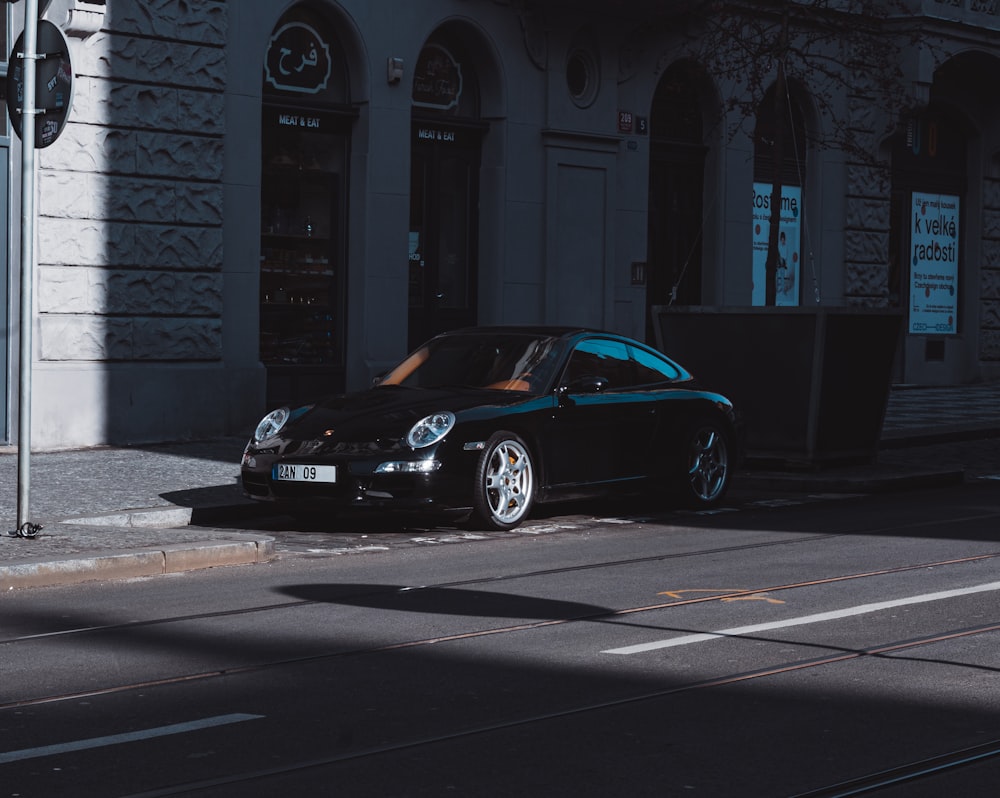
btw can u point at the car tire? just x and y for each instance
(505, 482)
(706, 468)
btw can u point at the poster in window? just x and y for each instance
(786, 282)
(934, 263)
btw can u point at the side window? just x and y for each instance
(601, 358)
(651, 369)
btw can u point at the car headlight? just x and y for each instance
(271, 424)
(408, 467)
(430, 430)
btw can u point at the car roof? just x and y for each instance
(553, 331)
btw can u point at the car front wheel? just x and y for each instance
(505, 482)
(706, 472)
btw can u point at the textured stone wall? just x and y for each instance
(866, 228)
(989, 286)
(130, 198)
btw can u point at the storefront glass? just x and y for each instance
(676, 188)
(779, 160)
(444, 192)
(306, 123)
(928, 181)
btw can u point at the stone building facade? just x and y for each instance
(256, 201)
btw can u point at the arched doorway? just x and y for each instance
(305, 138)
(676, 181)
(445, 154)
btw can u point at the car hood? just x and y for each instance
(388, 412)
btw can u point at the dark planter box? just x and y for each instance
(812, 384)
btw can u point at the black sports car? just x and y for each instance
(484, 422)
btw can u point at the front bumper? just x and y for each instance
(446, 490)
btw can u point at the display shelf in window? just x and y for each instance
(302, 250)
(280, 260)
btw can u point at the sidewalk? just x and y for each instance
(930, 437)
(125, 512)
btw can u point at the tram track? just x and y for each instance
(785, 541)
(233, 780)
(286, 605)
(908, 773)
(862, 785)
(356, 599)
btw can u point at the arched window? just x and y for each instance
(928, 185)
(676, 180)
(445, 156)
(779, 179)
(780, 123)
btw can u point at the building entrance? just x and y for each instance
(445, 154)
(676, 180)
(444, 190)
(306, 124)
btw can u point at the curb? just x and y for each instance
(881, 480)
(236, 548)
(164, 517)
(151, 561)
(952, 433)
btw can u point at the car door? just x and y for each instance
(604, 424)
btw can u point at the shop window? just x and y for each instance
(928, 186)
(676, 189)
(445, 155)
(779, 158)
(306, 123)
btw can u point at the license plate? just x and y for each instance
(296, 472)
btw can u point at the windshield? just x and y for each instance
(506, 362)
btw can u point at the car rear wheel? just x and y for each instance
(706, 472)
(505, 482)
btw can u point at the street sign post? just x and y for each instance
(53, 94)
(42, 97)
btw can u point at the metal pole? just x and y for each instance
(24, 527)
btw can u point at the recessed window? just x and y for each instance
(582, 77)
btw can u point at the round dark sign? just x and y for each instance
(53, 84)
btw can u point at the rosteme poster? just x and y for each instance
(788, 274)
(934, 264)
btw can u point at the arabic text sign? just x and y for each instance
(934, 263)
(298, 60)
(437, 79)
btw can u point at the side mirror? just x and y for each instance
(587, 384)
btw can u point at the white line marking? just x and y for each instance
(819, 617)
(130, 737)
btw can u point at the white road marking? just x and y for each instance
(819, 617)
(130, 737)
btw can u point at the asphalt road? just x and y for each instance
(812, 647)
